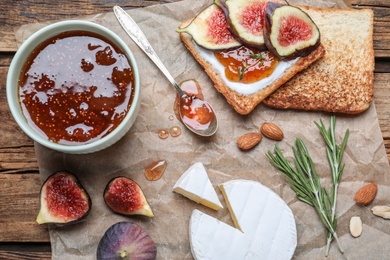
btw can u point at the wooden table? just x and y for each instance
(20, 236)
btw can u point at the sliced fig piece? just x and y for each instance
(63, 200)
(126, 240)
(124, 196)
(209, 29)
(246, 20)
(289, 32)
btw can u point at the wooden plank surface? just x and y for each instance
(19, 179)
(16, 13)
(21, 12)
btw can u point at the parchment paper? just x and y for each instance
(365, 158)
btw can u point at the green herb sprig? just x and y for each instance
(241, 70)
(305, 181)
(257, 56)
(334, 154)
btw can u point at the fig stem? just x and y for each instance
(123, 254)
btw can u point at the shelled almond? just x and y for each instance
(366, 194)
(248, 141)
(356, 226)
(381, 211)
(272, 131)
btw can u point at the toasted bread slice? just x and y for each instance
(245, 103)
(343, 80)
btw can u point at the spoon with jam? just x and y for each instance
(196, 114)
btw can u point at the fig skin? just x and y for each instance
(268, 23)
(126, 240)
(124, 196)
(199, 29)
(75, 195)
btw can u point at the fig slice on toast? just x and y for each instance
(289, 32)
(209, 29)
(246, 20)
(63, 200)
(124, 196)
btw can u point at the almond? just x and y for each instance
(381, 211)
(271, 131)
(248, 141)
(366, 194)
(355, 226)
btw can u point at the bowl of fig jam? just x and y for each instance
(74, 86)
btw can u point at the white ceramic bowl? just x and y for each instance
(19, 60)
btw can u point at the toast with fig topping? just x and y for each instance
(241, 96)
(343, 80)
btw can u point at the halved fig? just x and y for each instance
(63, 200)
(126, 240)
(209, 29)
(289, 32)
(246, 20)
(124, 196)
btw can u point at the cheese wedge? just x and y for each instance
(196, 185)
(267, 224)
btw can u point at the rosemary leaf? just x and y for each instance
(305, 182)
(334, 155)
(257, 56)
(241, 70)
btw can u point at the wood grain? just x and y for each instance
(20, 236)
(25, 251)
(22, 12)
(16, 13)
(20, 192)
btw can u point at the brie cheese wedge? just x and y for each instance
(265, 226)
(195, 185)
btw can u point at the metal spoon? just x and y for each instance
(135, 33)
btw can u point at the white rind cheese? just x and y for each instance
(212, 239)
(267, 224)
(195, 185)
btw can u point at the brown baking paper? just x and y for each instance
(365, 158)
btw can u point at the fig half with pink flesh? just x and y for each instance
(209, 29)
(246, 20)
(63, 200)
(126, 240)
(125, 196)
(289, 32)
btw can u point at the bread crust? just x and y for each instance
(244, 104)
(343, 80)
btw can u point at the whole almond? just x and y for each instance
(271, 131)
(366, 194)
(248, 141)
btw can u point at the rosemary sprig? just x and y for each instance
(334, 154)
(257, 56)
(242, 69)
(305, 181)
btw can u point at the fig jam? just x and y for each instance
(194, 111)
(76, 87)
(247, 65)
(155, 170)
